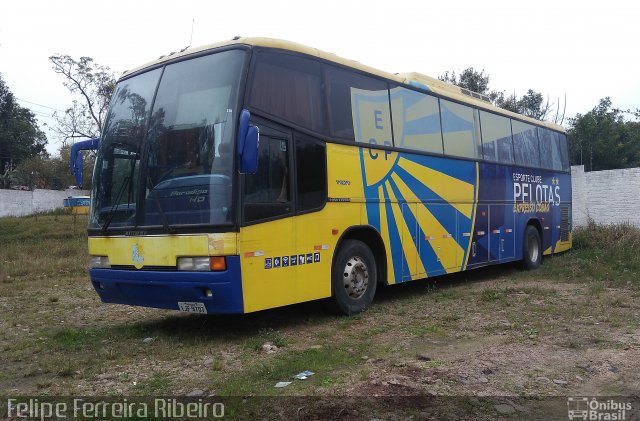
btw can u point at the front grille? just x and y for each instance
(149, 268)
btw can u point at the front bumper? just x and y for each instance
(164, 289)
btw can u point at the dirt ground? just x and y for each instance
(491, 337)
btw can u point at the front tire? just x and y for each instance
(531, 248)
(353, 278)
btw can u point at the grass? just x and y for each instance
(263, 337)
(56, 337)
(157, 384)
(260, 376)
(608, 254)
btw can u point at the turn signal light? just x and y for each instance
(218, 263)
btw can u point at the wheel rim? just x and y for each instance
(534, 250)
(355, 277)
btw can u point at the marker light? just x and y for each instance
(99, 262)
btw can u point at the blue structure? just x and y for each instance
(75, 159)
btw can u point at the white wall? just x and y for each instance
(607, 197)
(19, 202)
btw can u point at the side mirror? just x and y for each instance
(248, 141)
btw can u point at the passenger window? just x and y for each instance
(460, 129)
(289, 87)
(564, 151)
(556, 151)
(351, 95)
(525, 143)
(416, 120)
(266, 193)
(311, 173)
(497, 144)
(546, 145)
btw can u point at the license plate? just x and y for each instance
(192, 307)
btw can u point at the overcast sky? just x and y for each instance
(584, 49)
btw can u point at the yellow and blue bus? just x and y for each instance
(257, 173)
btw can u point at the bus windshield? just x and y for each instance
(166, 153)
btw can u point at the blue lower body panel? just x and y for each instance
(161, 289)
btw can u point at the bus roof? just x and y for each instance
(413, 78)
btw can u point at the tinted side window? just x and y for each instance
(311, 173)
(289, 87)
(460, 129)
(266, 193)
(525, 143)
(556, 151)
(496, 138)
(416, 120)
(564, 151)
(358, 102)
(546, 144)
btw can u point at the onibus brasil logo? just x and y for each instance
(583, 408)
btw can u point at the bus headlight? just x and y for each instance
(99, 262)
(215, 263)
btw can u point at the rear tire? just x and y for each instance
(353, 278)
(531, 248)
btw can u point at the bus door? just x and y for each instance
(479, 252)
(267, 240)
(501, 236)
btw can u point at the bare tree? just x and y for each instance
(94, 84)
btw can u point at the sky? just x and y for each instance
(586, 50)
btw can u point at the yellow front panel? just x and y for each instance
(161, 250)
(223, 244)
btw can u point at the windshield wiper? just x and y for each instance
(115, 204)
(163, 216)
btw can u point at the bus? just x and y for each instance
(258, 173)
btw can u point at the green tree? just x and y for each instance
(20, 136)
(42, 172)
(509, 103)
(531, 104)
(469, 78)
(602, 139)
